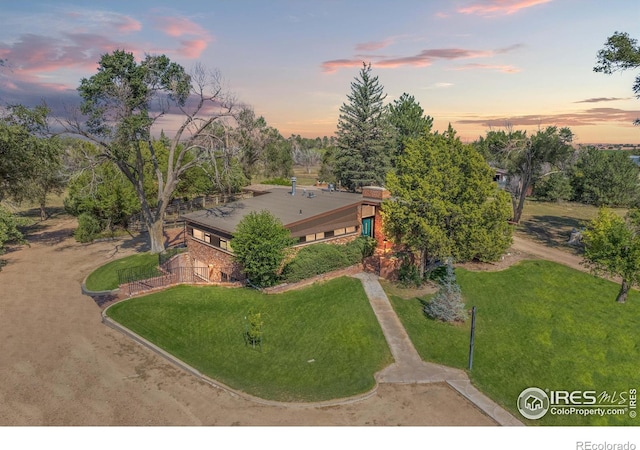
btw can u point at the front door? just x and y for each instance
(367, 226)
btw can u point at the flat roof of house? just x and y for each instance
(290, 209)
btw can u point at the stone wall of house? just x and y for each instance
(217, 260)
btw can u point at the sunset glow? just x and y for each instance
(477, 64)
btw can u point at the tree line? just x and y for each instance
(446, 203)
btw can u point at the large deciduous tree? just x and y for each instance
(31, 158)
(363, 137)
(612, 247)
(121, 104)
(620, 52)
(259, 244)
(445, 203)
(527, 158)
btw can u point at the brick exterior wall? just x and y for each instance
(216, 259)
(379, 193)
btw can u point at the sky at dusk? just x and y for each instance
(473, 63)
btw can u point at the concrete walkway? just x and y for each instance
(409, 367)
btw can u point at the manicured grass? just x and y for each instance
(106, 277)
(319, 343)
(538, 324)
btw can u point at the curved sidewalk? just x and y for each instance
(409, 367)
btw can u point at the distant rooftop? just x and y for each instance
(292, 210)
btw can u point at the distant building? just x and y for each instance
(500, 177)
(311, 215)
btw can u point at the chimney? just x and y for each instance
(293, 185)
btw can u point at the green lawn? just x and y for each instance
(105, 277)
(319, 343)
(538, 324)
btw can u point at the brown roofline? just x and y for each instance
(324, 214)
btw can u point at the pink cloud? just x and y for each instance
(181, 26)
(499, 7)
(592, 116)
(422, 59)
(505, 68)
(373, 45)
(602, 99)
(126, 24)
(335, 64)
(33, 58)
(192, 49)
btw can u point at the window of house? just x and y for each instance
(198, 234)
(224, 276)
(350, 229)
(207, 237)
(224, 244)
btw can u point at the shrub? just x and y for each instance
(89, 227)
(408, 274)
(447, 305)
(278, 181)
(360, 248)
(259, 243)
(314, 260)
(554, 188)
(321, 258)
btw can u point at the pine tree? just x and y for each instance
(364, 135)
(447, 305)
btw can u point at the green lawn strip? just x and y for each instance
(538, 324)
(106, 277)
(319, 343)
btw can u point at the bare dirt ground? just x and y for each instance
(526, 249)
(59, 365)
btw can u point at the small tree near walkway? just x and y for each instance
(612, 247)
(447, 305)
(259, 243)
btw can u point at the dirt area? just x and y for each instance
(526, 249)
(62, 366)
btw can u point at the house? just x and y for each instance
(533, 403)
(501, 177)
(311, 215)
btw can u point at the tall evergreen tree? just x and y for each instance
(408, 121)
(364, 136)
